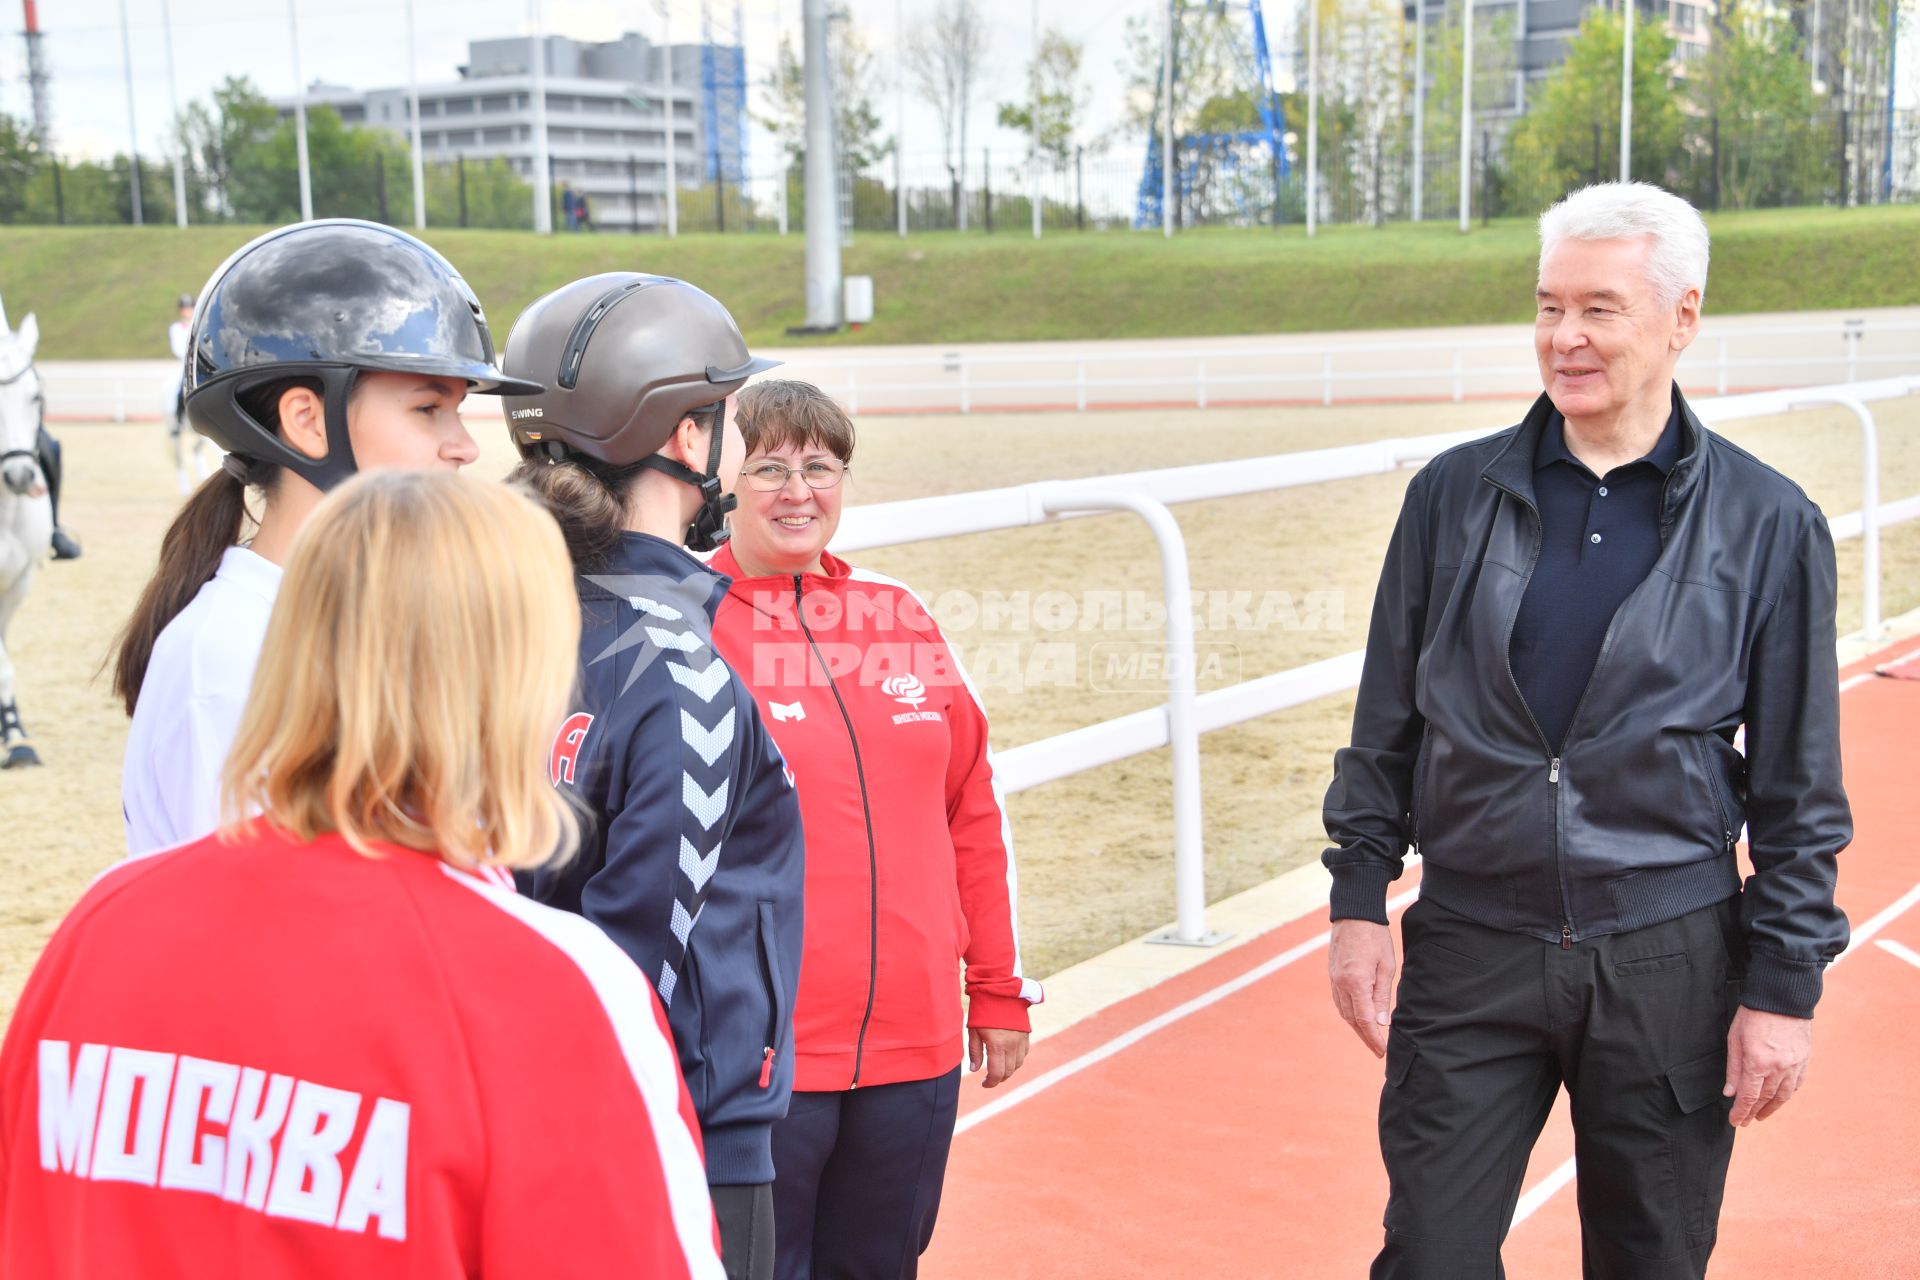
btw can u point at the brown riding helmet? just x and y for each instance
(624, 357)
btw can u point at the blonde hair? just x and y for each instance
(415, 669)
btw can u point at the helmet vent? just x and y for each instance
(576, 348)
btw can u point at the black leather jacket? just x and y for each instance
(1635, 821)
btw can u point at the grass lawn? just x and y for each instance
(107, 292)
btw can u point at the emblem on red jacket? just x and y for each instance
(907, 689)
(566, 747)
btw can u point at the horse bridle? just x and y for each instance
(29, 454)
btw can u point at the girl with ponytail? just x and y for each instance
(318, 350)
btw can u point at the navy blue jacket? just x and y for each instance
(690, 855)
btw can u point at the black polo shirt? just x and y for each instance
(1599, 539)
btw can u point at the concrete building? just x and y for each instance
(606, 117)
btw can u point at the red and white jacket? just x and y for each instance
(909, 860)
(270, 1059)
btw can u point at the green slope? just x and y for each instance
(106, 292)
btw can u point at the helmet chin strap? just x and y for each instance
(709, 528)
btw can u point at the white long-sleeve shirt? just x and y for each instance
(190, 703)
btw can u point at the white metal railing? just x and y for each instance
(1187, 715)
(970, 380)
(967, 380)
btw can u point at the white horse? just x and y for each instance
(26, 515)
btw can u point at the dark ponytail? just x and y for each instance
(213, 520)
(588, 499)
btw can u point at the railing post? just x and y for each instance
(1869, 507)
(1183, 717)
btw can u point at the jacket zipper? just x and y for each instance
(873, 864)
(1553, 761)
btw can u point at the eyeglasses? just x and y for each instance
(771, 477)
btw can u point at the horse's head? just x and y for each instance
(20, 405)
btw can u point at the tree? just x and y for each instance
(1576, 117)
(1759, 120)
(944, 57)
(1055, 75)
(783, 101)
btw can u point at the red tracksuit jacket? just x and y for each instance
(909, 862)
(270, 1059)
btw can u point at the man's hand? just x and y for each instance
(1003, 1051)
(1360, 963)
(1766, 1062)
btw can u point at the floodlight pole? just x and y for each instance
(673, 159)
(542, 168)
(1313, 117)
(1466, 116)
(822, 212)
(1034, 130)
(1167, 158)
(179, 141)
(1419, 104)
(1626, 95)
(133, 128)
(300, 116)
(413, 113)
(899, 115)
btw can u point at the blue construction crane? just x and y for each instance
(1229, 150)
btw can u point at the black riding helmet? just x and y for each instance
(625, 357)
(327, 300)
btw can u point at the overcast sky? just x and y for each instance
(362, 43)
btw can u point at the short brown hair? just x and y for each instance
(420, 653)
(782, 413)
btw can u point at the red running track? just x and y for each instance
(1222, 1124)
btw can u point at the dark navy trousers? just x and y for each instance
(857, 1177)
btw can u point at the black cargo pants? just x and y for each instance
(1488, 1025)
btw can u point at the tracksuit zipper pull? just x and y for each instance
(766, 1069)
(1566, 936)
(1553, 770)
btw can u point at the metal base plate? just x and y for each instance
(1172, 939)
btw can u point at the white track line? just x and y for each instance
(1067, 1070)
(1908, 954)
(1542, 1192)
(1879, 922)
(1865, 676)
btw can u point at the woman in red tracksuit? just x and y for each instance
(909, 867)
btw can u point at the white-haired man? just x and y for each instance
(1575, 619)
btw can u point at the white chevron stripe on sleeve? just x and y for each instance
(696, 868)
(703, 806)
(682, 922)
(677, 641)
(654, 607)
(708, 743)
(668, 981)
(703, 683)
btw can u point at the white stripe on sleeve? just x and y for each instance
(624, 994)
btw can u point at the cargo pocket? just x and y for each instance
(1400, 1057)
(1700, 1142)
